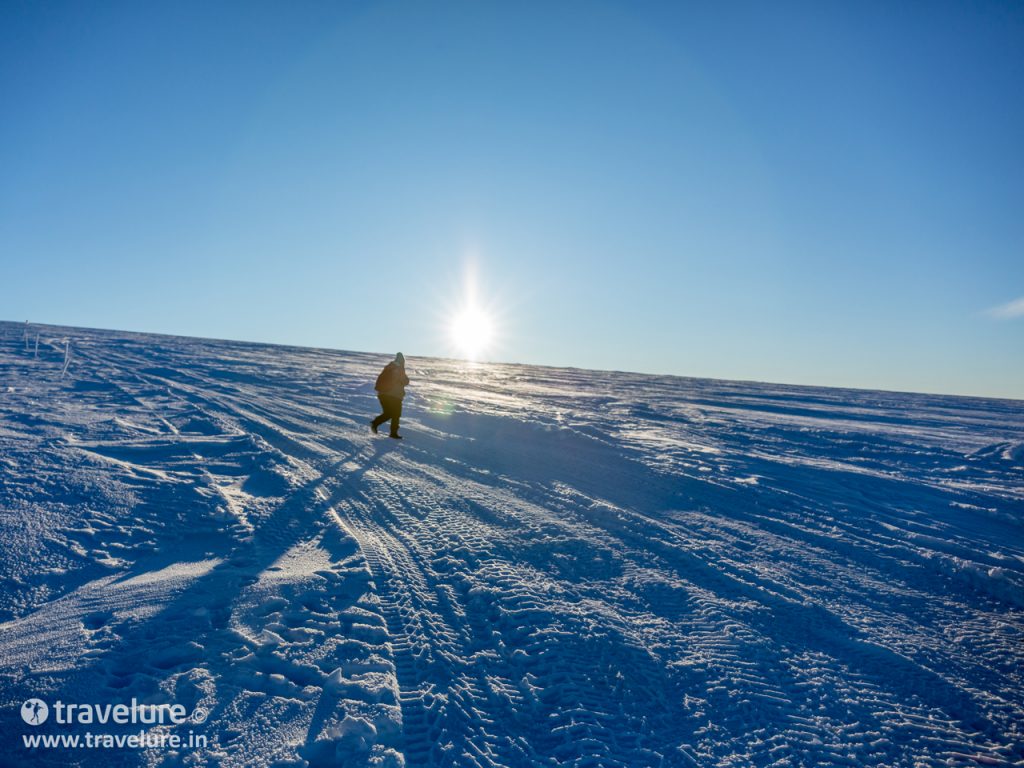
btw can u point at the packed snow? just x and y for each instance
(556, 567)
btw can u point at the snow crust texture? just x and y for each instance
(556, 567)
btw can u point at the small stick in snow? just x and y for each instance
(67, 356)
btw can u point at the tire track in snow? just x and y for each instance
(507, 631)
(770, 613)
(444, 704)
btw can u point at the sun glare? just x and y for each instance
(471, 332)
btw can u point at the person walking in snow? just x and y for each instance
(390, 388)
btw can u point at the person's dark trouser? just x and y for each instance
(392, 407)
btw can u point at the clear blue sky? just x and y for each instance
(820, 192)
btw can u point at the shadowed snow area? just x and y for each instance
(556, 567)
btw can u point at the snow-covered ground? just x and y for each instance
(556, 567)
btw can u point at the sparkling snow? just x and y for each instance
(556, 567)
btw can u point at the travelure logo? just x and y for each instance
(35, 711)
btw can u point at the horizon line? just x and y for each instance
(804, 385)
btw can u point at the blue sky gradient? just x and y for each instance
(821, 193)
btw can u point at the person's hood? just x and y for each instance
(400, 359)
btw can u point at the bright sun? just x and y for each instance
(471, 332)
